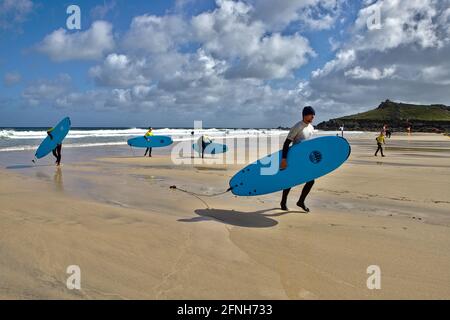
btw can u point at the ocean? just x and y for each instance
(22, 139)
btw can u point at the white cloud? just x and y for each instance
(156, 34)
(47, 90)
(230, 33)
(310, 14)
(370, 74)
(14, 12)
(11, 78)
(406, 60)
(277, 57)
(92, 44)
(342, 60)
(118, 70)
(102, 10)
(403, 23)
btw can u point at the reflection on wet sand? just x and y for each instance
(58, 179)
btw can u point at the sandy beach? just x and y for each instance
(115, 216)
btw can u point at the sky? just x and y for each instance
(246, 63)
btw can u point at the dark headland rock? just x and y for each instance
(398, 116)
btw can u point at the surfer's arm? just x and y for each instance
(50, 134)
(284, 153)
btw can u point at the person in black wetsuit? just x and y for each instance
(57, 151)
(203, 142)
(303, 130)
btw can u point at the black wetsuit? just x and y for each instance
(306, 188)
(380, 148)
(149, 150)
(204, 144)
(57, 153)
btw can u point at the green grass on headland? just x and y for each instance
(389, 111)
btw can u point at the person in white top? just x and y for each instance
(301, 131)
(341, 128)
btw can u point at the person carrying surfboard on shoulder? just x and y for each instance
(146, 136)
(301, 131)
(57, 151)
(203, 142)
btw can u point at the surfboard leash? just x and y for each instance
(200, 194)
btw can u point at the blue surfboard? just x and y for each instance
(59, 133)
(307, 161)
(212, 148)
(150, 142)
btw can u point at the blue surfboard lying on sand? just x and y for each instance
(59, 133)
(212, 148)
(307, 161)
(150, 142)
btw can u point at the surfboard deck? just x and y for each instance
(59, 133)
(152, 142)
(212, 148)
(307, 161)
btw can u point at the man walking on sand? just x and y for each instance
(303, 130)
(380, 141)
(147, 136)
(57, 151)
(203, 141)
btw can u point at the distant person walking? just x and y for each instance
(386, 131)
(380, 141)
(57, 151)
(147, 136)
(341, 128)
(408, 130)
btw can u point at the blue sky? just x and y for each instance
(229, 63)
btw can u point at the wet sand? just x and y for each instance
(114, 215)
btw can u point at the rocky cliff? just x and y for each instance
(398, 116)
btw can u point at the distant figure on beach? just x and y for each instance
(57, 151)
(146, 136)
(301, 131)
(386, 131)
(408, 130)
(380, 141)
(341, 128)
(203, 142)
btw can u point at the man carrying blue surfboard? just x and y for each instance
(301, 131)
(57, 151)
(203, 141)
(147, 136)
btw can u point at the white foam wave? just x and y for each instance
(108, 133)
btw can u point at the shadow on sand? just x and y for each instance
(28, 166)
(256, 219)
